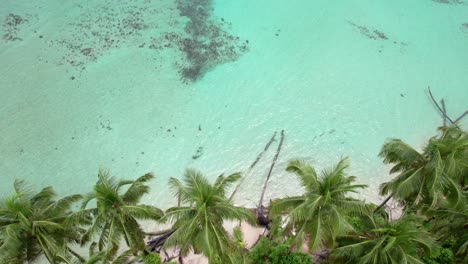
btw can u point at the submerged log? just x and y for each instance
(261, 217)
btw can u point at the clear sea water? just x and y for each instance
(97, 84)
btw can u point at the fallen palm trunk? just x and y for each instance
(261, 217)
(461, 116)
(267, 146)
(444, 115)
(263, 152)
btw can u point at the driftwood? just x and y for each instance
(267, 146)
(260, 213)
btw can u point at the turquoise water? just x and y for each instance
(100, 84)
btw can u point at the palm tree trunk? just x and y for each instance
(267, 146)
(438, 107)
(157, 243)
(444, 120)
(260, 203)
(76, 254)
(159, 232)
(263, 152)
(383, 203)
(461, 116)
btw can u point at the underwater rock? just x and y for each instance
(371, 34)
(198, 153)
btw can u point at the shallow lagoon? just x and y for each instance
(116, 85)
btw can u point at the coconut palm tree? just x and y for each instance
(35, 224)
(385, 242)
(103, 257)
(199, 219)
(117, 211)
(450, 223)
(319, 215)
(431, 176)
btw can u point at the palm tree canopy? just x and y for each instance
(449, 223)
(393, 242)
(319, 214)
(32, 224)
(199, 219)
(117, 211)
(432, 176)
(103, 257)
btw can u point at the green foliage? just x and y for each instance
(151, 258)
(443, 256)
(435, 176)
(238, 238)
(199, 220)
(32, 224)
(448, 225)
(116, 213)
(269, 252)
(319, 215)
(400, 240)
(102, 257)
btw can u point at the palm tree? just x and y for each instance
(398, 241)
(32, 224)
(431, 176)
(103, 257)
(450, 223)
(319, 215)
(117, 211)
(198, 221)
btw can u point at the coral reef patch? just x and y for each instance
(199, 40)
(369, 33)
(11, 26)
(103, 27)
(450, 2)
(207, 44)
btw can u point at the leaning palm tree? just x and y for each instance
(319, 215)
(399, 241)
(117, 211)
(429, 177)
(198, 221)
(35, 224)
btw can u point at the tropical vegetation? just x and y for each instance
(199, 219)
(324, 223)
(318, 216)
